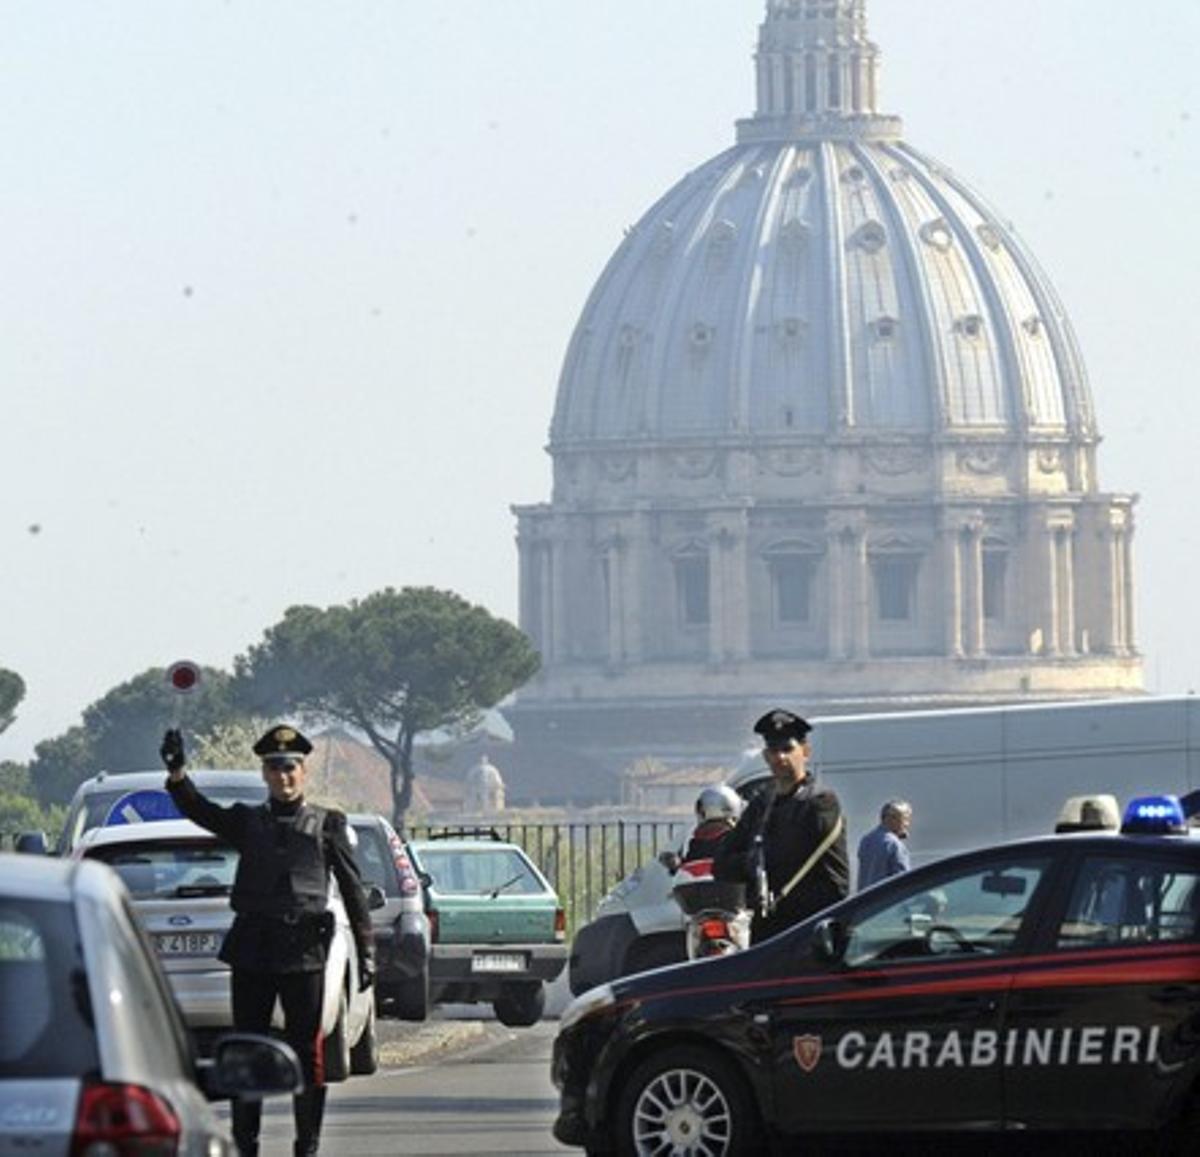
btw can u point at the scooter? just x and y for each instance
(717, 919)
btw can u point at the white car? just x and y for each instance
(94, 1057)
(93, 800)
(180, 877)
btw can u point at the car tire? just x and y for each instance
(337, 1045)
(723, 1119)
(364, 1056)
(520, 1005)
(656, 952)
(412, 997)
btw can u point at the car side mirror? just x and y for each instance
(249, 1067)
(32, 843)
(829, 941)
(425, 878)
(670, 861)
(375, 897)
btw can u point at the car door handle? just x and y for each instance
(976, 1005)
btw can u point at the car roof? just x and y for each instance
(133, 833)
(480, 845)
(51, 878)
(132, 780)
(367, 819)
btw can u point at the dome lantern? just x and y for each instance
(817, 75)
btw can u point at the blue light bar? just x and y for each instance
(1155, 815)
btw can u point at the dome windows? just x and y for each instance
(970, 326)
(721, 239)
(795, 235)
(989, 235)
(937, 234)
(791, 330)
(870, 238)
(884, 328)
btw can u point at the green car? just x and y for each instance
(497, 929)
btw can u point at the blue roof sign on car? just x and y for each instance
(1154, 815)
(142, 807)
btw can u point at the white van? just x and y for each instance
(974, 777)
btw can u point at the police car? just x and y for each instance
(1050, 985)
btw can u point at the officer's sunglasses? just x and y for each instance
(281, 763)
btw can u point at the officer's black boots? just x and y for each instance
(308, 1108)
(247, 1117)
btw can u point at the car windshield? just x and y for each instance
(45, 1019)
(170, 869)
(482, 871)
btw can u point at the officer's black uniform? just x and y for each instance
(277, 944)
(793, 827)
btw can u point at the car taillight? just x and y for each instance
(433, 925)
(124, 1121)
(714, 929)
(560, 924)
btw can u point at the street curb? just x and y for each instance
(428, 1040)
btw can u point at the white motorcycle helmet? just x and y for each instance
(719, 803)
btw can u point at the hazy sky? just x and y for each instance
(287, 283)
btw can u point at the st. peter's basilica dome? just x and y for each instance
(823, 436)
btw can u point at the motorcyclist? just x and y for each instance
(717, 812)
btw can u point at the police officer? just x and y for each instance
(790, 843)
(277, 945)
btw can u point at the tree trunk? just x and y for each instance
(402, 781)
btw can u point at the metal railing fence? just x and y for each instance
(582, 860)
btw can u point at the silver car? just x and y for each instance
(401, 927)
(94, 1057)
(180, 877)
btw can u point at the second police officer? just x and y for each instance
(790, 843)
(277, 945)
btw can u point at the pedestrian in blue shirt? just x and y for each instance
(882, 851)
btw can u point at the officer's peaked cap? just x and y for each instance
(778, 728)
(283, 740)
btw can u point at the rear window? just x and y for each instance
(45, 1016)
(171, 869)
(374, 859)
(480, 872)
(95, 806)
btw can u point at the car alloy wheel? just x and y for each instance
(687, 1103)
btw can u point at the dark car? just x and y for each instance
(401, 927)
(1050, 985)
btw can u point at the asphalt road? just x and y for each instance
(452, 1086)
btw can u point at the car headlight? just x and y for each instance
(587, 1004)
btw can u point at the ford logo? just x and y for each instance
(179, 921)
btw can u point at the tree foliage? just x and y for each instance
(20, 811)
(391, 665)
(12, 691)
(228, 745)
(121, 731)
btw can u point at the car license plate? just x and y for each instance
(187, 943)
(498, 962)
